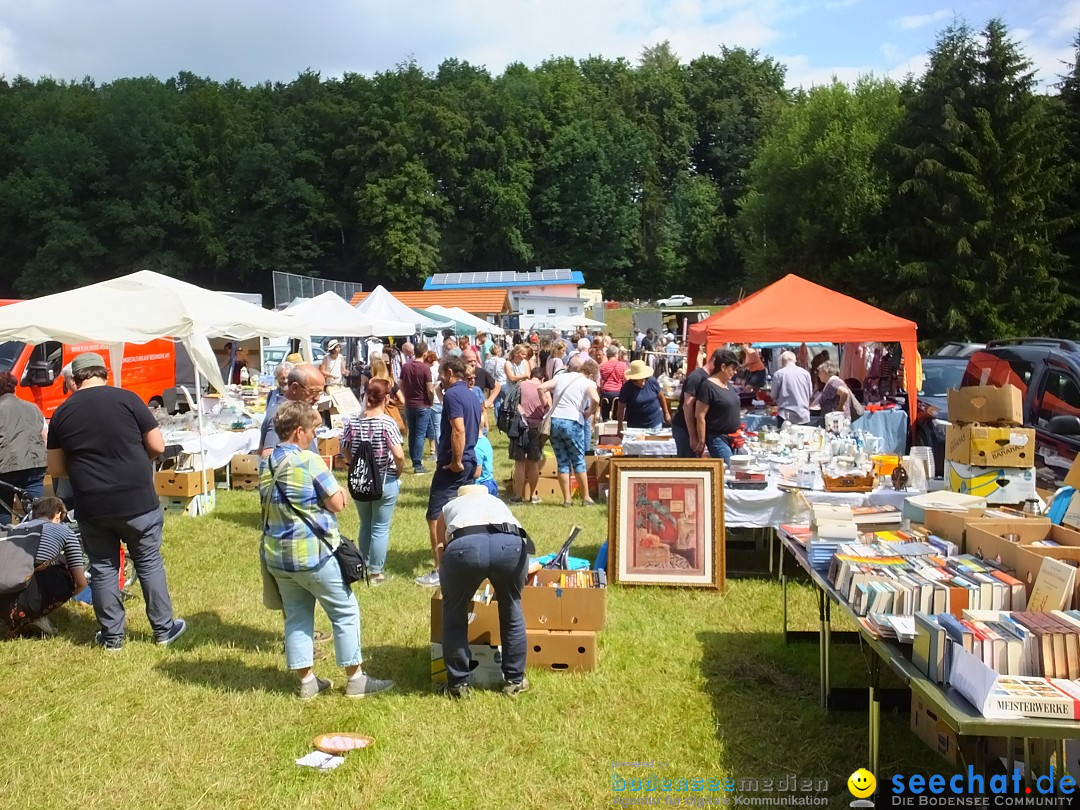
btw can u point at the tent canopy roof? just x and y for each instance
(459, 314)
(380, 303)
(796, 309)
(330, 314)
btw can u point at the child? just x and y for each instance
(485, 460)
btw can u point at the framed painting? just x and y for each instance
(666, 522)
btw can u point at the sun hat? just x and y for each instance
(87, 360)
(332, 344)
(639, 370)
(472, 489)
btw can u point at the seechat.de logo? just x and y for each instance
(861, 784)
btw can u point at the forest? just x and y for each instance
(951, 197)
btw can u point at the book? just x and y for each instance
(875, 515)
(1053, 587)
(999, 696)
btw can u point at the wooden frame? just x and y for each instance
(666, 522)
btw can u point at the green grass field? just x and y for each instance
(700, 681)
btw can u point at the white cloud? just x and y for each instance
(890, 51)
(1066, 20)
(922, 20)
(801, 73)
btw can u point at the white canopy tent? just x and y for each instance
(330, 314)
(141, 307)
(458, 314)
(138, 308)
(382, 304)
(575, 321)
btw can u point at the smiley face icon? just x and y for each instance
(861, 783)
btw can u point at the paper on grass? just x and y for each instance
(320, 761)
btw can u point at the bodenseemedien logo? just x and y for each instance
(862, 784)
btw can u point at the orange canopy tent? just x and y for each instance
(794, 309)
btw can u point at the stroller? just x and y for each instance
(18, 504)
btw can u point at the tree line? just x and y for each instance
(949, 198)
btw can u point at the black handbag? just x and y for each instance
(350, 560)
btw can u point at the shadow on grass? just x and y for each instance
(247, 518)
(408, 667)
(209, 628)
(229, 675)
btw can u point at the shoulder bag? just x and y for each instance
(351, 561)
(545, 426)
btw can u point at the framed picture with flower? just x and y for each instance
(666, 522)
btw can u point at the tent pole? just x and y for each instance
(202, 447)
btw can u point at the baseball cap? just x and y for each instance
(87, 360)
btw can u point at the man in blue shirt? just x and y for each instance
(456, 460)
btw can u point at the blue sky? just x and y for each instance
(257, 40)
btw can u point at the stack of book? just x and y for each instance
(1019, 643)
(999, 696)
(832, 525)
(901, 573)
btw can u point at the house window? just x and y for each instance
(530, 312)
(573, 310)
(551, 310)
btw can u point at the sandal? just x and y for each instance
(588, 503)
(567, 503)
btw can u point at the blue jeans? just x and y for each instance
(435, 428)
(569, 441)
(375, 525)
(417, 421)
(682, 440)
(497, 404)
(500, 558)
(299, 592)
(718, 448)
(101, 538)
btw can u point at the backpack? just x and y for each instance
(365, 483)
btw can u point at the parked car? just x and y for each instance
(939, 375)
(1047, 372)
(956, 349)
(676, 301)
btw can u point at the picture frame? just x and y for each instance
(666, 523)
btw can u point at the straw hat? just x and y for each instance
(472, 489)
(639, 370)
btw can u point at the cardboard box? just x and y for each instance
(245, 482)
(953, 525)
(1005, 485)
(1028, 532)
(933, 731)
(544, 608)
(986, 405)
(551, 608)
(172, 484)
(1072, 479)
(245, 464)
(547, 488)
(990, 446)
(329, 447)
(562, 650)
(191, 507)
(485, 665)
(483, 621)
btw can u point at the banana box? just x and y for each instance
(1002, 485)
(990, 446)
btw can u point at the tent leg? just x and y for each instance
(202, 447)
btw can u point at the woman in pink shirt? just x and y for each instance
(612, 377)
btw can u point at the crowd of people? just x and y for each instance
(541, 390)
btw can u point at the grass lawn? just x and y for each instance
(699, 681)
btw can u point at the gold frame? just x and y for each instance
(616, 545)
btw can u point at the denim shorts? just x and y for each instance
(569, 441)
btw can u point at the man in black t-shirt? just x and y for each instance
(684, 430)
(103, 438)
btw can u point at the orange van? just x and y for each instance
(149, 370)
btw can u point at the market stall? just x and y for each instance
(382, 304)
(330, 314)
(794, 309)
(458, 314)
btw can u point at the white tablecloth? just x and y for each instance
(763, 508)
(650, 447)
(219, 447)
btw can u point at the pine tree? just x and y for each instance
(1068, 202)
(976, 173)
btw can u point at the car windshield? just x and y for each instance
(9, 353)
(940, 377)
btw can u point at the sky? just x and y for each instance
(275, 40)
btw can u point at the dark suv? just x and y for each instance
(1047, 372)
